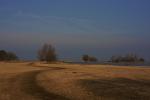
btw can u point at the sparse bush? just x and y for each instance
(93, 59)
(47, 53)
(126, 58)
(6, 56)
(87, 58)
(12, 56)
(141, 60)
(3, 55)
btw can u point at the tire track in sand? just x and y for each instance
(25, 87)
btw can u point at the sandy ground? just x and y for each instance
(39, 81)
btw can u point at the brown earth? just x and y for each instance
(39, 81)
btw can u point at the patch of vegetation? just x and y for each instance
(7, 56)
(47, 53)
(87, 58)
(127, 58)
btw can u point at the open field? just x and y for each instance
(39, 81)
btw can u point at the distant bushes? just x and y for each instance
(7, 56)
(87, 58)
(127, 58)
(47, 53)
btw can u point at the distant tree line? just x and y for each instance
(127, 58)
(7, 56)
(87, 58)
(48, 53)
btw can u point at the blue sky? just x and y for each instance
(75, 27)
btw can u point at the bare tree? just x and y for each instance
(47, 53)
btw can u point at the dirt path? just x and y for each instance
(24, 87)
(64, 82)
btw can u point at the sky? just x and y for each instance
(101, 28)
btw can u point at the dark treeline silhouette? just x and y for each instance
(47, 53)
(127, 58)
(7, 56)
(87, 58)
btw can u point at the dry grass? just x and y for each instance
(39, 81)
(88, 82)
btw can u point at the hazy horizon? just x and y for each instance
(101, 28)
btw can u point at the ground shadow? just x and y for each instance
(118, 88)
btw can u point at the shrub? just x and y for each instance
(87, 58)
(141, 60)
(92, 59)
(126, 58)
(5, 56)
